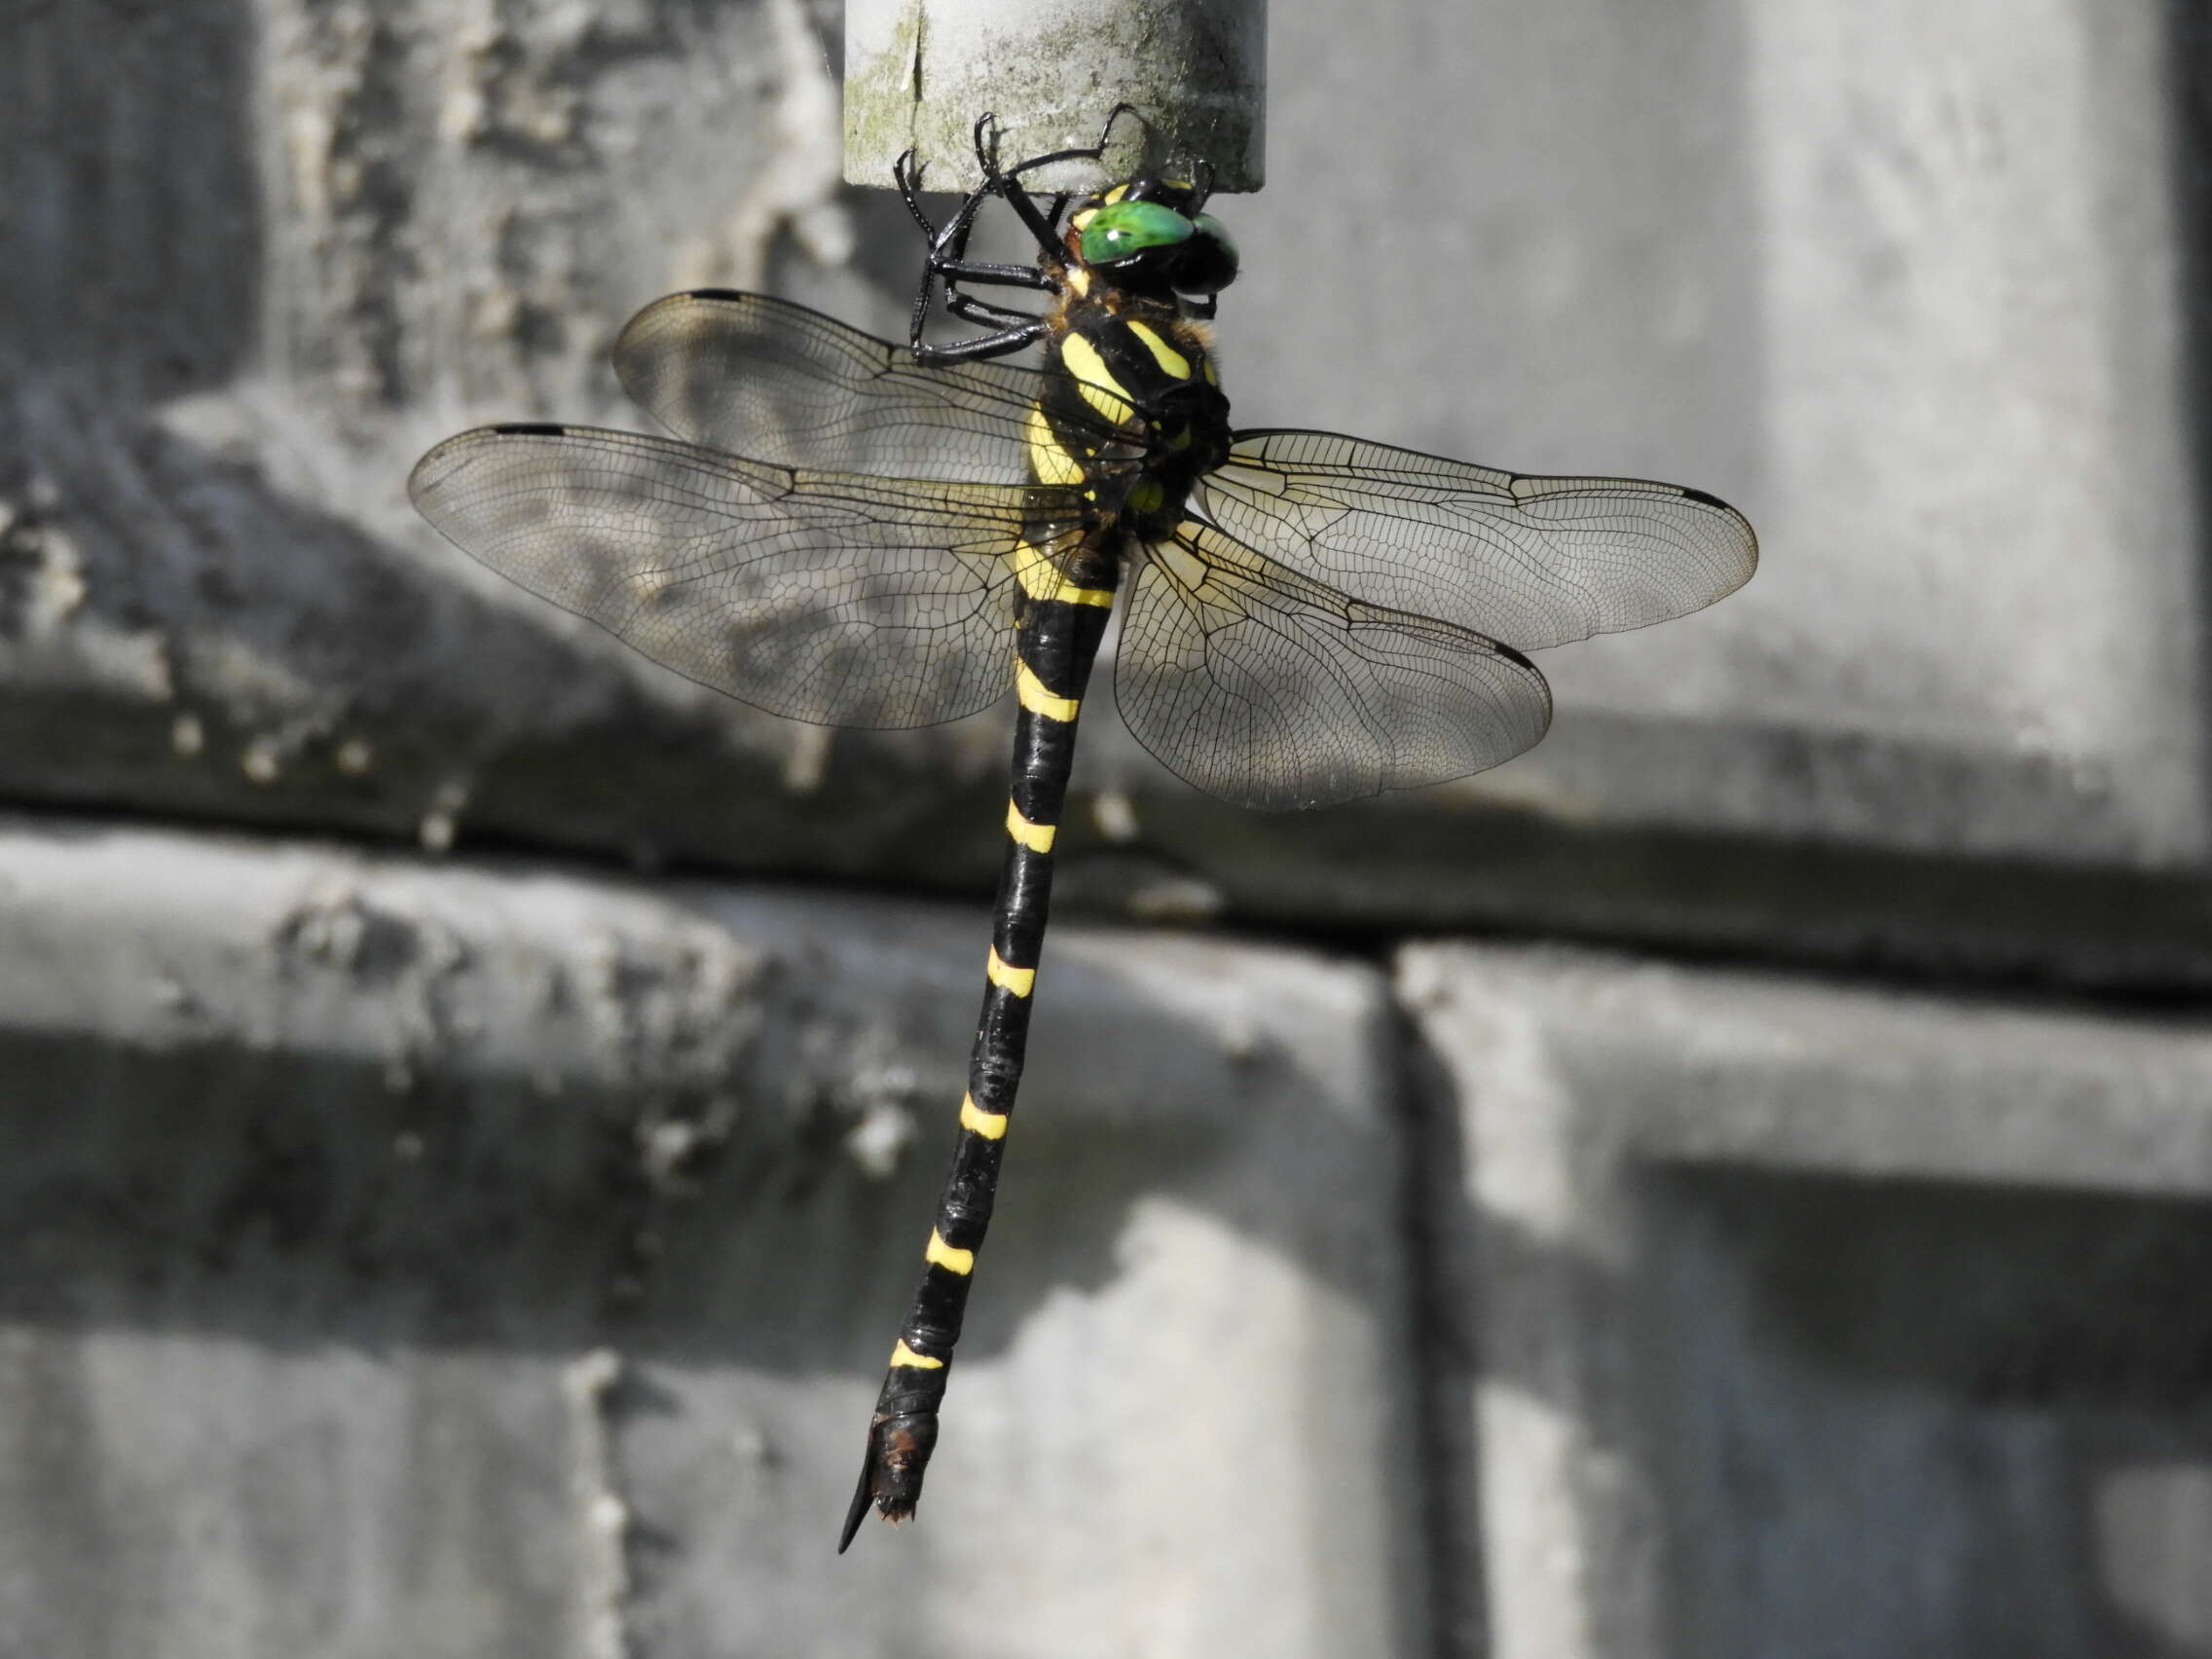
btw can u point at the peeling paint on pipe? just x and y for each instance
(919, 72)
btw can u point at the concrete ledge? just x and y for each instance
(477, 1259)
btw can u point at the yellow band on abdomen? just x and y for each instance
(1037, 838)
(1020, 980)
(940, 1254)
(907, 1357)
(991, 1126)
(1041, 579)
(1039, 701)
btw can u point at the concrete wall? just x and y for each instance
(1730, 1183)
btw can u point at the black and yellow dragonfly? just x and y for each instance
(855, 534)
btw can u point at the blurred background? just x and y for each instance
(1730, 1183)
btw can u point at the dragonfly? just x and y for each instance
(850, 533)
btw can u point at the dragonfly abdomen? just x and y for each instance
(1066, 597)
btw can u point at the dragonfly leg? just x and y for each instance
(965, 304)
(999, 345)
(906, 174)
(1204, 190)
(947, 259)
(1006, 182)
(1006, 275)
(1091, 153)
(949, 248)
(908, 177)
(968, 305)
(982, 310)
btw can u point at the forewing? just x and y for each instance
(1533, 562)
(1271, 690)
(842, 601)
(760, 377)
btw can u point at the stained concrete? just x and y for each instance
(502, 1259)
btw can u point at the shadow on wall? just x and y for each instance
(2189, 59)
(133, 187)
(1931, 1419)
(713, 1210)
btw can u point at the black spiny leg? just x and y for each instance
(1205, 190)
(949, 248)
(999, 345)
(947, 259)
(1093, 153)
(982, 310)
(1008, 184)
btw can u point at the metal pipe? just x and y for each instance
(918, 73)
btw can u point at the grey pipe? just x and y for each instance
(919, 72)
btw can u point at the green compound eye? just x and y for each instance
(1122, 228)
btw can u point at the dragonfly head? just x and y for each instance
(1149, 235)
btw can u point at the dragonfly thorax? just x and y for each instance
(1145, 368)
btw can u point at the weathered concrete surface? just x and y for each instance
(1902, 283)
(1906, 284)
(918, 73)
(457, 1261)
(389, 222)
(1811, 1320)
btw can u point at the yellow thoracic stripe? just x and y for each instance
(1020, 980)
(943, 1255)
(1051, 462)
(1095, 380)
(1039, 701)
(1170, 360)
(904, 1356)
(991, 1126)
(1037, 838)
(1041, 579)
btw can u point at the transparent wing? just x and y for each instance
(853, 602)
(762, 377)
(1533, 562)
(1271, 690)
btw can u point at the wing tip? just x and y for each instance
(1707, 499)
